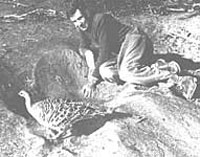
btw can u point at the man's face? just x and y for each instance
(79, 20)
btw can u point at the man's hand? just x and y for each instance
(88, 90)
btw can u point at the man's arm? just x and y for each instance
(89, 56)
(89, 88)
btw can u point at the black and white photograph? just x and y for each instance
(99, 78)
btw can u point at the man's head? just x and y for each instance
(77, 14)
(79, 20)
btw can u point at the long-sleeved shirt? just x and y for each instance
(106, 34)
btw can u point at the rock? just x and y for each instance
(104, 142)
(161, 125)
(170, 126)
(61, 73)
(179, 37)
(11, 135)
(34, 144)
(16, 139)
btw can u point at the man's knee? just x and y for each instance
(124, 74)
(130, 76)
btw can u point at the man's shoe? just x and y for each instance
(195, 73)
(185, 87)
(173, 67)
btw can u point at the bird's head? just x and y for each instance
(23, 93)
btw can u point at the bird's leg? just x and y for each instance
(67, 149)
(66, 133)
(52, 140)
(53, 134)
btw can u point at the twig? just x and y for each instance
(14, 3)
(49, 12)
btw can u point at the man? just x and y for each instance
(116, 52)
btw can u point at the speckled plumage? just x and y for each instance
(58, 114)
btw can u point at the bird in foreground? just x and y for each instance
(58, 115)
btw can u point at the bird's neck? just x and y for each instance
(28, 103)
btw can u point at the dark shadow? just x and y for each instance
(185, 64)
(9, 88)
(89, 125)
(10, 85)
(197, 92)
(15, 104)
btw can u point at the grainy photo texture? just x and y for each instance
(99, 78)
